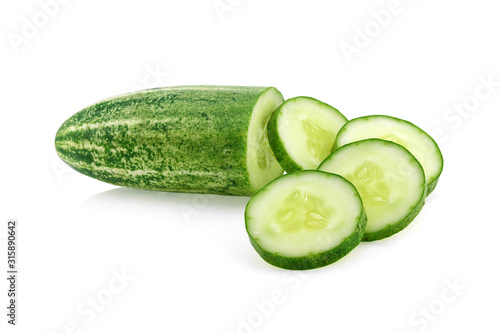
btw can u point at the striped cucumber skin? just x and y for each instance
(177, 139)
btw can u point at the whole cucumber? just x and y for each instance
(202, 139)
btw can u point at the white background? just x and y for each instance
(189, 263)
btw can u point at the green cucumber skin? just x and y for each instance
(315, 260)
(432, 185)
(277, 146)
(395, 228)
(178, 139)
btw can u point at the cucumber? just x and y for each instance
(203, 139)
(413, 138)
(305, 220)
(389, 179)
(302, 132)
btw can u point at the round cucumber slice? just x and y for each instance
(305, 220)
(302, 132)
(389, 179)
(261, 164)
(400, 131)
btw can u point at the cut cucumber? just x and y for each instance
(305, 220)
(418, 142)
(389, 179)
(204, 139)
(302, 132)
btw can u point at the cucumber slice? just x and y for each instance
(302, 132)
(389, 179)
(413, 138)
(305, 220)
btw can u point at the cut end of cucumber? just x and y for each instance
(305, 220)
(261, 164)
(390, 181)
(303, 132)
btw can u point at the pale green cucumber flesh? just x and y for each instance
(413, 138)
(302, 132)
(390, 181)
(261, 163)
(203, 139)
(305, 220)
